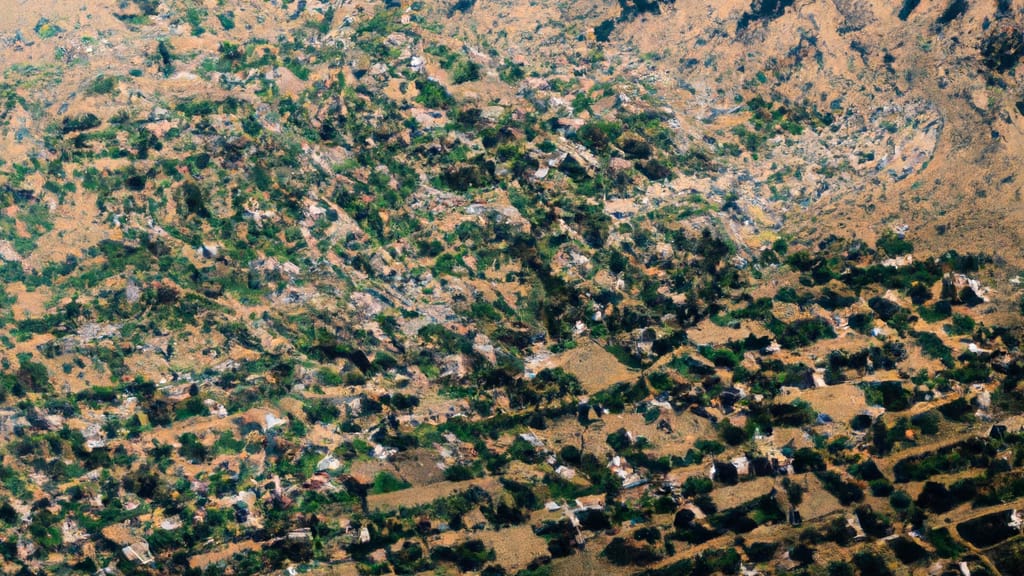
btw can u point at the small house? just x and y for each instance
(730, 396)
(742, 465)
(138, 552)
(794, 517)
(858, 531)
(565, 472)
(592, 502)
(762, 466)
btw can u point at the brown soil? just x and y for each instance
(595, 367)
(420, 495)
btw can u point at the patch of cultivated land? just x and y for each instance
(514, 547)
(841, 402)
(595, 367)
(817, 501)
(419, 467)
(224, 553)
(726, 497)
(587, 562)
(420, 495)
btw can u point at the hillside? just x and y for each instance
(510, 288)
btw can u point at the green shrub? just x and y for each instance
(893, 244)
(959, 410)
(807, 460)
(80, 123)
(510, 72)
(458, 473)
(846, 492)
(191, 408)
(962, 325)
(890, 394)
(465, 71)
(945, 545)
(227, 20)
(933, 347)
(433, 95)
(695, 485)
(880, 488)
(928, 422)
(598, 134)
(468, 556)
(624, 553)
(322, 411)
(103, 84)
(385, 482)
(801, 332)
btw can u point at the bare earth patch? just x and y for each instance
(817, 502)
(841, 402)
(726, 497)
(514, 547)
(420, 495)
(596, 368)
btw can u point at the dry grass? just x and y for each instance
(514, 547)
(420, 495)
(726, 497)
(842, 402)
(419, 467)
(710, 334)
(222, 554)
(587, 562)
(595, 367)
(29, 304)
(817, 501)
